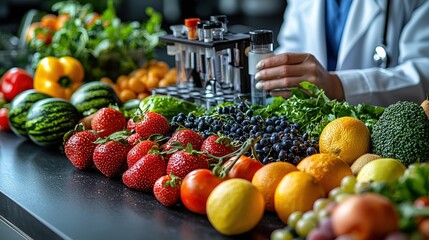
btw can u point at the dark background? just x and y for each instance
(243, 15)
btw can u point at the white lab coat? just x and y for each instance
(406, 79)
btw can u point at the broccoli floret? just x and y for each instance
(402, 132)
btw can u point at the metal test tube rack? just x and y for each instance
(207, 83)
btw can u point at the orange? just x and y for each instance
(136, 85)
(297, 191)
(268, 177)
(328, 169)
(346, 137)
(127, 94)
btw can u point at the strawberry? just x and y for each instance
(184, 136)
(107, 121)
(184, 161)
(167, 190)
(131, 124)
(79, 148)
(152, 123)
(133, 139)
(110, 157)
(218, 146)
(144, 173)
(139, 150)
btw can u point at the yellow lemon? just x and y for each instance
(297, 191)
(235, 206)
(362, 161)
(381, 170)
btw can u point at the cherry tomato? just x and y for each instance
(245, 167)
(196, 188)
(4, 123)
(15, 81)
(421, 202)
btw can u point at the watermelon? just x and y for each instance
(92, 96)
(19, 107)
(130, 107)
(49, 119)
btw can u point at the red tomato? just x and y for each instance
(196, 188)
(4, 123)
(15, 81)
(245, 167)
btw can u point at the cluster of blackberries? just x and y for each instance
(279, 139)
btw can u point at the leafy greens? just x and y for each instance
(313, 110)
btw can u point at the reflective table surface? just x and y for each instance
(45, 197)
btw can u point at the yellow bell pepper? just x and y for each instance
(58, 77)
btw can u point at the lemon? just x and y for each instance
(235, 206)
(381, 170)
(362, 161)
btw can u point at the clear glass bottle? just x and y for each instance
(261, 47)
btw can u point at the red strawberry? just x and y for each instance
(79, 149)
(167, 190)
(111, 157)
(107, 121)
(139, 150)
(217, 146)
(144, 173)
(184, 161)
(131, 124)
(185, 136)
(133, 139)
(152, 123)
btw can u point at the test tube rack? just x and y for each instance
(210, 92)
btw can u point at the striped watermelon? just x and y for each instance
(19, 108)
(92, 96)
(49, 119)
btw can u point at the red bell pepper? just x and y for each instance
(15, 81)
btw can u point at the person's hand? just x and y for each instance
(280, 72)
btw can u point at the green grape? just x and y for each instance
(340, 197)
(361, 187)
(320, 204)
(281, 234)
(310, 215)
(334, 192)
(304, 226)
(322, 214)
(348, 184)
(293, 219)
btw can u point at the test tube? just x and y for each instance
(200, 30)
(191, 25)
(261, 46)
(221, 18)
(177, 30)
(217, 31)
(208, 34)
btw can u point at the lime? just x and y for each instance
(381, 170)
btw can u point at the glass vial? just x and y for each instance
(191, 25)
(261, 46)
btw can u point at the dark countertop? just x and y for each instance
(43, 195)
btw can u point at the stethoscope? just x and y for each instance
(381, 57)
